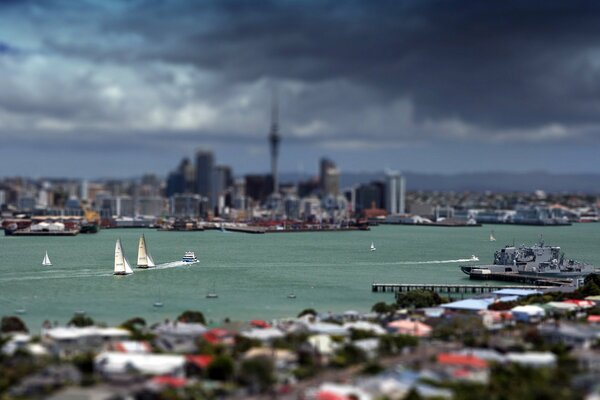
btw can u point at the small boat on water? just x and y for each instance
(373, 246)
(189, 257)
(46, 261)
(212, 294)
(157, 304)
(122, 266)
(291, 296)
(144, 259)
(492, 237)
(474, 258)
(20, 311)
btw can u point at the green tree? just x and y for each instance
(418, 299)
(192, 317)
(81, 320)
(12, 324)
(383, 308)
(307, 311)
(257, 372)
(221, 368)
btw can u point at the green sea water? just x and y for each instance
(252, 274)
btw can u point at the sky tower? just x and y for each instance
(274, 140)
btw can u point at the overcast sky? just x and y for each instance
(119, 88)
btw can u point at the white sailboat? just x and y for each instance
(122, 266)
(46, 261)
(373, 246)
(213, 294)
(492, 237)
(144, 259)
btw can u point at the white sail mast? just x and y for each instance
(122, 267)
(46, 261)
(142, 259)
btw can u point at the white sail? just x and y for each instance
(142, 258)
(128, 269)
(150, 260)
(122, 267)
(372, 246)
(492, 237)
(46, 261)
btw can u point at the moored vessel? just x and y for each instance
(537, 260)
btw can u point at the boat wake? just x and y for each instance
(173, 264)
(459, 260)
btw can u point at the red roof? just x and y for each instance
(327, 395)
(216, 335)
(201, 361)
(593, 318)
(259, 323)
(169, 381)
(461, 360)
(580, 303)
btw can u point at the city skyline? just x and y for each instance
(118, 89)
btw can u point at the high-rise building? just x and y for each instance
(182, 180)
(258, 187)
(324, 165)
(331, 181)
(274, 140)
(394, 192)
(204, 174)
(369, 196)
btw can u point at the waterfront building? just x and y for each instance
(150, 206)
(204, 175)
(370, 196)
(291, 205)
(185, 205)
(395, 193)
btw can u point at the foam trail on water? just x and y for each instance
(437, 261)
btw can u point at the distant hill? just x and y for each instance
(479, 181)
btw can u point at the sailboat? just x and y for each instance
(492, 237)
(373, 246)
(46, 261)
(144, 259)
(122, 266)
(213, 294)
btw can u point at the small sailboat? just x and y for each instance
(373, 246)
(122, 266)
(46, 261)
(213, 294)
(144, 259)
(492, 237)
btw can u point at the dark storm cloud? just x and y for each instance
(496, 65)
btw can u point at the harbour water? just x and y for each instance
(252, 274)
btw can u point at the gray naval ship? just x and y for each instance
(538, 260)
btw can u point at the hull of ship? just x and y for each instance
(89, 229)
(502, 269)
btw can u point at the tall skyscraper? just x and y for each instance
(329, 177)
(204, 174)
(394, 192)
(274, 140)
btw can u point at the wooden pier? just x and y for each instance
(450, 289)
